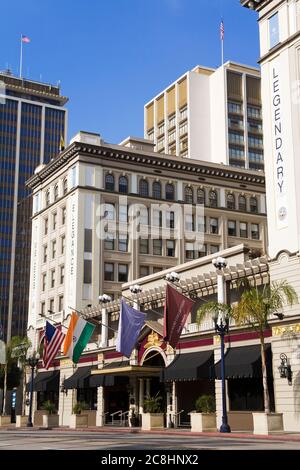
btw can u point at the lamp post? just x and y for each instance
(221, 322)
(32, 362)
(104, 299)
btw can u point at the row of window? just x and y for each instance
(53, 244)
(56, 192)
(237, 108)
(111, 270)
(52, 305)
(63, 218)
(52, 278)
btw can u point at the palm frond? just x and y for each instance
(212, 308)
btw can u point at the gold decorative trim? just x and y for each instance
(153, 340)
(284, 330)
(65, 363)
(217, 340)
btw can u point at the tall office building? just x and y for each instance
(32, 122)
(211, 115)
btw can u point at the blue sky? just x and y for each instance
(112, 56)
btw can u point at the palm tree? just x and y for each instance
(256, 305)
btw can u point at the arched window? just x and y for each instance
(123, 185)
(253, 204)
(156, 190)
(56, 192)
(230, 201)
(65, 185)
(213, 199)
(170, 192)
(144, 188)
(47, 197)
(200, 196)
(188, 195)
(242, 203)
(109, 182)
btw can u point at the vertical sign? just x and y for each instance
(279, 157)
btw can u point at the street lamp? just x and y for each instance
(104, 298)
(32, 362)
(135, 289)
(221, 322)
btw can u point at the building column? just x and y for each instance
(174, 403)
(134, 186)
(100, 416)
(141, 396)
(148, 387)
(104, 329)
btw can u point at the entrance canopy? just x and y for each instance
(79, 379)
(189, 366)
(45, 382)
(116, 373)
(244, 362)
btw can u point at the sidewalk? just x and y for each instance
(275, 436)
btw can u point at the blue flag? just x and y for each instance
(130, 325)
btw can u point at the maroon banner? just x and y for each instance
(177, 308)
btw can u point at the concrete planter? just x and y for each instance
(78, 421)
(50, 421)
(5, 420)
(264, 423)
(152, 421)
(21, 421)
(203, 422)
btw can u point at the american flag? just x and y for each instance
(52, 342)
(25, 38)
(222, 30)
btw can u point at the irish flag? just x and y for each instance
(78, 335)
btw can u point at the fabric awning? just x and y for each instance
(79, 379)
(244, 362)
(45, 382)
(97, 380)
(189, 366)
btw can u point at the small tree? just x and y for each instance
(153, 404)
(205, 404)
(49, 406)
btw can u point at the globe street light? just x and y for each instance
(32, 362)
(104, 298)
(135, 289)
(221, 322)
(172, 277)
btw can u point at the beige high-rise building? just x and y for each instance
(210, 114)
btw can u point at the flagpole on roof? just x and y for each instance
(222, 32)
(21, 56)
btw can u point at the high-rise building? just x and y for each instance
(211, 115)
(32, 123)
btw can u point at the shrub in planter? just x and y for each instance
(50, 407)
(205, 404)
(153, 404)
(79, 407)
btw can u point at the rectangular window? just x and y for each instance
(62, 244)
(160, 143)
(44, 280)
(171, 136)
(46, 223)
(202, 251)
(255, 231)
(60, 303)
(108, 271)
(189, 251)
(231, 228)
(54, 220)
(234, 108)
(156, 218)
(123, 242)
(214, 225)
(170, 220)
(214, 249)
(144, 246)
(161, 129)
(183, 129)
(109, 211)
(274, 30)
(88, 240)
(170, 248)
(172, 121)
(73, 177)
(243, 229)
(144, 216)
(122, 273)
(45, 252)
(157, 247)
(51, 306)
(109, 242)
(62, 274)
(183, 114)
(144, 271)
(63, 215)
(87, 271)
(189, 222)
(53, 249)
(43, 308)
(52, 279)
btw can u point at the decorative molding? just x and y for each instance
(283, 330)
(66, 363)
(153, 340)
